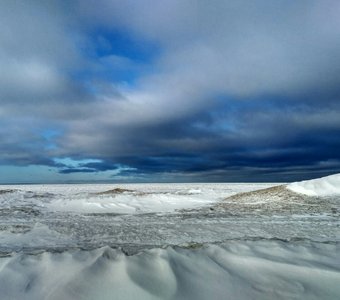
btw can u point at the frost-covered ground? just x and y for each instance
(170, 241)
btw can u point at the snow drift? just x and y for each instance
(325, 186)
(235, 270)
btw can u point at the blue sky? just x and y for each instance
(169, 91)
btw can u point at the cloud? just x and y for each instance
(76, 170)
(240, 47)
(181, 89)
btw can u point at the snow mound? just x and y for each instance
(263, 270)
(325, 186)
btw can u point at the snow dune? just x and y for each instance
(325, 186)
(236, 270)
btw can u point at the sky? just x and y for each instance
(169, 90)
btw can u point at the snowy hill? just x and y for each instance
(325, 186)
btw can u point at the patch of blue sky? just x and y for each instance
(123, 168)
(119, 57)
(49, 135)
(125, 75)
(121, 43)
(74, 163)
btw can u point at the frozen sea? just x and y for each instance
(169, 241)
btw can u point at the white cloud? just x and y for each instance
(238, 47)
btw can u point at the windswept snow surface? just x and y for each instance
(122, 199)
(167, 241)
(325, 186)
(236, 270)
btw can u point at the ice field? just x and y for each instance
(171, 241)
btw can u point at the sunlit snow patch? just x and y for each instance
(325, 186)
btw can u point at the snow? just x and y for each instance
(168, 241)
(133, 198)
(234, 270)
(325, 186)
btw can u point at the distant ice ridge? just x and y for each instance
(120, 199)
(325, 186)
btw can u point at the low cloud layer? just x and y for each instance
(177, 90)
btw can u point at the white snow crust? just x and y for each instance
(235, 270)
(325, 186)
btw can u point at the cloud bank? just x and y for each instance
(173, 90)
